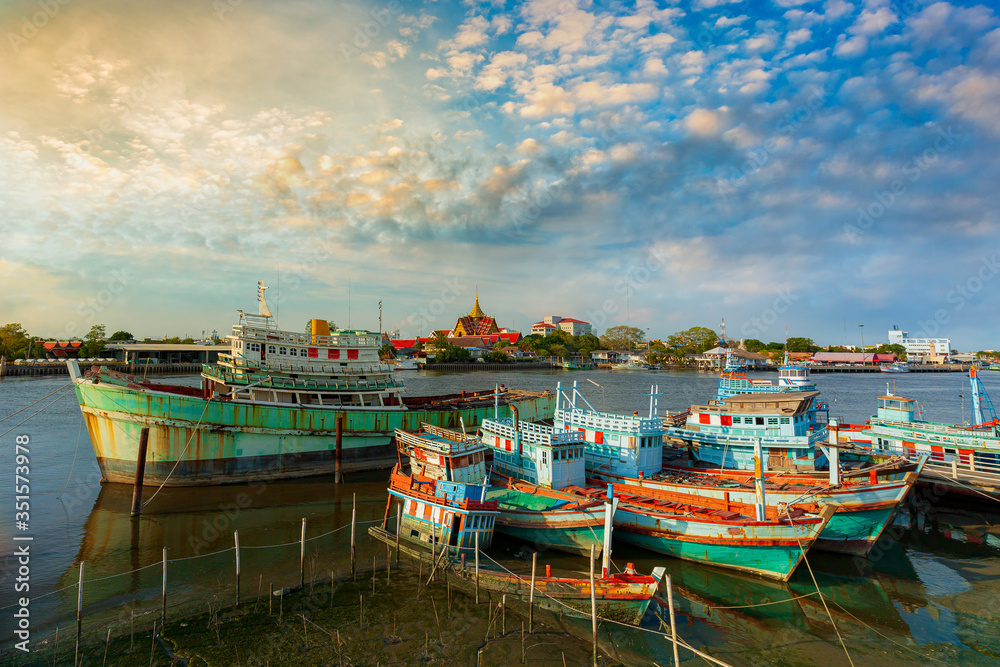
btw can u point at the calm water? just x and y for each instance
(933, 595)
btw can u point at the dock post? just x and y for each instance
(954, 468)
(673, 623)
(477, 566)
(163, 601)
(140, 471)
(236, 537)
(338, 465)
(399, 527)
(79, 616)
(354, 517)
(531, 595)
(302, 555)
(593, 604)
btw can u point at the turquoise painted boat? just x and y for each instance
(531, 466)
(269, 409)
(627, 451)
(682, 527)
(548, 520)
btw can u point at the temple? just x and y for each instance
(476, 323)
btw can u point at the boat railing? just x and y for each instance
(970, 461)
(606, 421)
(531, 433)
(923, 427)
(337, 339)
(271, 381)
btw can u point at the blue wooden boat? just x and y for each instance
(531, 464)
(627, 450)
(446, 520)
(770, 546)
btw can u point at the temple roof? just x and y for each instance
(476, 311)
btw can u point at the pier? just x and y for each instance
(914, 368)
(42, 369)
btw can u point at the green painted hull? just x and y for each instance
(774, 562)
(193, 441)
(855, 532)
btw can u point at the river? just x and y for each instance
(930, 596)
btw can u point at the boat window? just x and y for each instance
(772, 421)
(270, 349)
(786, 420)
(303, 352)
(759, 421)
(282, 350)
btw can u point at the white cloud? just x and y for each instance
(703, 122)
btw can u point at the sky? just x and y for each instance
(809, 166)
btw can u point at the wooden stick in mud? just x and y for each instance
(593, 604)
(79, 615)
(531, 595)
(399, 527)
(236, 538)
(354, 518)
(673, 624)
(477, 566)
(302, 555)
(140, 471)
(163, 601)
(338, 465)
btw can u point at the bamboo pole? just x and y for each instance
(140, 471)
(503, 617)
(593, 604)
(673, 623)
(302, 555)
(79, 615)
(236, 537)
(399, 527)
(338, 476)
(477, 566)
(354, 518)
(163, 602)
(531, 595)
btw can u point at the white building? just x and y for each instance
(920, 348)
(571, 326)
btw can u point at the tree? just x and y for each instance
(623, 337)
(14, 341)
(387, 351)
(801, 345)
(496, 355)
(753, 345)
(692, 341)
(895, 348)
(121, 335)
(444, 351)
(93, 342)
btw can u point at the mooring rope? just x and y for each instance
(194, 432)
(70, 384)
(821, 596)
(35, 414)
(79, 435)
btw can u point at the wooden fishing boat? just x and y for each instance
(627, 450)
(530, 465)
(446, 521)
(771, 546)
(270, 409)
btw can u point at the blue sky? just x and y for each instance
(809, 165)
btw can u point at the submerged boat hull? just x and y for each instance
(619, 598)
(195, 441)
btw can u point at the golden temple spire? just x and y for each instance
(477, 312)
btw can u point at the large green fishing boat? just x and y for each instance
(269, 409)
